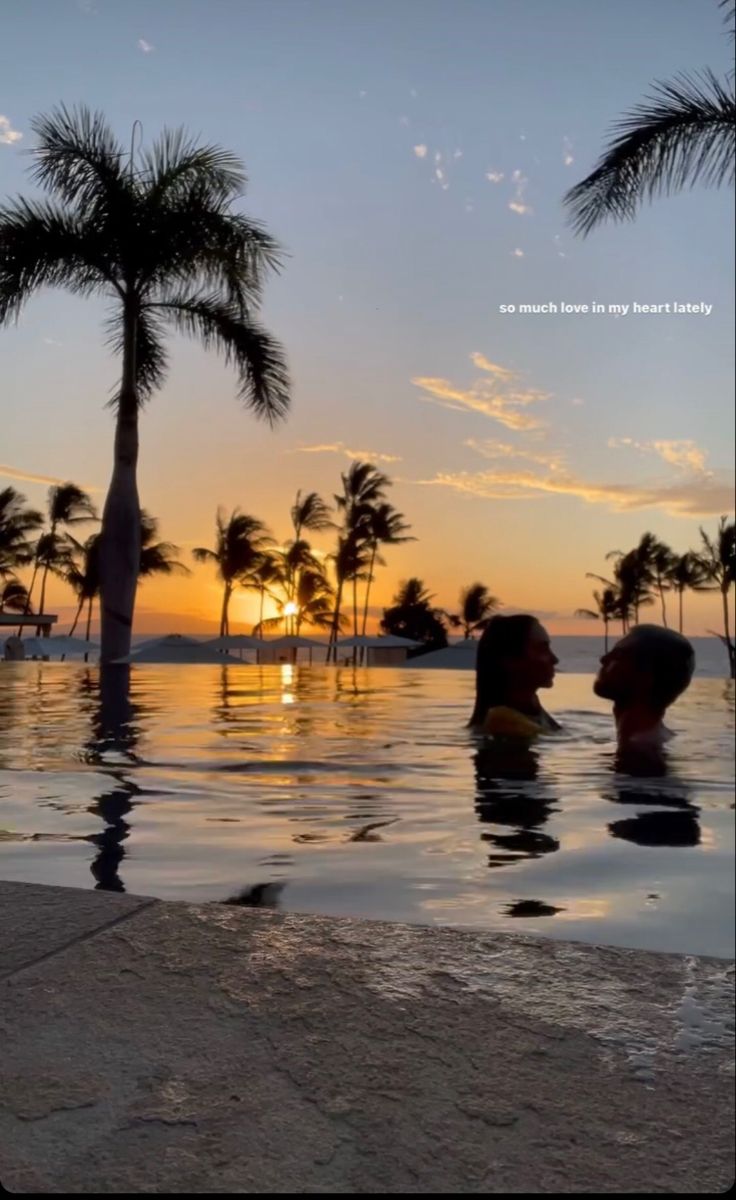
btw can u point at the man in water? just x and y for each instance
(643, 675)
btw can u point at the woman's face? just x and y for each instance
(536, 667)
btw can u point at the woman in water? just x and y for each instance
(514, 660)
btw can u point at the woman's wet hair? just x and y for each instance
(503, 638)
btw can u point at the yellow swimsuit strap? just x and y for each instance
(509, 722)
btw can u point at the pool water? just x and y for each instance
(361, 793)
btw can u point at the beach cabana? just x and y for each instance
(285, 649)
(176, 648)
(380, 651)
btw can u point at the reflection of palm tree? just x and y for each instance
(241, 542)
(155, 234)
(477, 606)
(681, 135)
(718, 558)
(115, 729)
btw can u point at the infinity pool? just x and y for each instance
(362, 793)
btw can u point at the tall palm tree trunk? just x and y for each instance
(332, 644)
(224, 626)
(660, 589)
(77, 615)
(120, 535)
(374, 551)
(29, 596)
(88, 631)
(681, 593)
(727, 631)
(45, 575)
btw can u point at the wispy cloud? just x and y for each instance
(420, 151)
(8, 135)
(7, 472)
(687, 497)
(519, 204)
(567, 155)
(494, 176)
(341, 448)
(145, 47)
(517, 253)
(497, 451)
(498, 394)
(683, 453)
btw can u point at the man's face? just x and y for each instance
(620, 677)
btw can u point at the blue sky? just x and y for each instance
(374, 135)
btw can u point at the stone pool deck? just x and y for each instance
(169, 1047)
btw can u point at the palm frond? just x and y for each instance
(78, 158)
(42, 245)
(257, 357)
(681, 134)
(151, 358)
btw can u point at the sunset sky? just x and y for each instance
(411, 156)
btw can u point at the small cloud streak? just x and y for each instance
(567, 155)
(341, 448)
(683, 453)
(7, 472)
(494, 176)
(700, 496)
(420, 151)
(517, 253)
(493, 450)
(145, 47)
(497, 395)
(8, 135)
(518, 204)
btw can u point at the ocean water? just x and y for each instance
(360, 792)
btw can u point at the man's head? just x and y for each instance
(651, 666)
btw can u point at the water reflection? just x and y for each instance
(115, 730)
(669, 818)
(510, 796)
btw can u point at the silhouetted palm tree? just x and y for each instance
(267, 574)
(13, 596)
(158, 558)
(310, 512)
(607, 609)
(658, 560)
(385, 527)
(83, 576)
(680, 135)
(314, 600)
(687, 573)
(363, 487)
(156, 235)
(17, 523)
(241, 541)
(632, 581)
(68, 505)
(413, 616)
(719, 562)
(477, 606)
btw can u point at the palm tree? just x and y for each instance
(314, 600)
(385, 527)
(310, 512)
(13, 596)
(658, 559)
(718, 558)
(155, 234)
(632, 580)
(607, 608)
(680, 135)
(68, 504)
(363, 487)
(158, 558)
(413, 616)
(687, 572)
(17, 523)
(477, 606)
(83, 575)
(240, 544)
(266, 574)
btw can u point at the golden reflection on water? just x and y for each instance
(364, 794)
